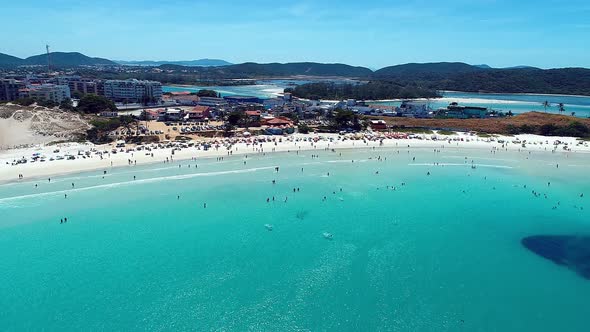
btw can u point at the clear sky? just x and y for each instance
(372, 33)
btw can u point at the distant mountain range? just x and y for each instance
(436, 76)
(297, 69)
(58, 59)
(188, 63)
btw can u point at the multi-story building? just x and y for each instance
(9, 89)
(53, 92)
(133, 90)
(82, 85)
(87, 87)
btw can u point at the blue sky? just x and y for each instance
(370, 33)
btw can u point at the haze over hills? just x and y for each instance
(187, 63)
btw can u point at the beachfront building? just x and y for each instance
(9, 89)
(174, 114)
(212, 102)
(87, 87)
(199, 114)
(278, 126)
(242, 100)
(456, 111)
(133, 91)
(53, 92)
(378, 125)
(413, 109)
(273, 103)
(151, 114)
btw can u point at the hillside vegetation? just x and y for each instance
(526, 123)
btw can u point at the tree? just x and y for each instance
(93, 104)
(234, 118)
(509, 114)
(561, 108)
(207, 93)
(77, 95)
(47, 103)
(303, 128)
(66, 105)
(344, 119)
(25, 101)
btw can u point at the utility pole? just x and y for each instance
(48, 60)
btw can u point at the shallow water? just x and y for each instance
(441, 253)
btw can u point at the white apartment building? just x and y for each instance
(55, 93)
(132, 90)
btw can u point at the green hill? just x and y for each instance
(66, 59)
(297, 68)
(9, 60)
(427, 69)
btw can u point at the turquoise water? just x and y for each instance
(425, 257)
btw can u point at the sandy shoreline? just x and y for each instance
(87, 157)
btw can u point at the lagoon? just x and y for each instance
(517, 103)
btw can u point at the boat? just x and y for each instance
(268, 227)
(328, 236)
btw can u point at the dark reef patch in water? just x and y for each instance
(301, 215)
(570, 251)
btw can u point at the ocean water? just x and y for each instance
(440, 253)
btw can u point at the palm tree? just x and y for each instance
(546, 104)
(561, 108)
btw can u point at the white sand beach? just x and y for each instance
(76, 157)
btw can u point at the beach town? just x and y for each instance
(304, 166)
(39, 162)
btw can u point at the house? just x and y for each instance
(212, 102)
(199, 113)
(150, 115)
(273, 102)
(279, 126)
(242, 100)
(187, 99)
(378, 125)
(455, 111)
(278, 121)
(253, 118)
(174, 114)
(415, 109)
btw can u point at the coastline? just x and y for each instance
(518, 94)
(87, 159)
